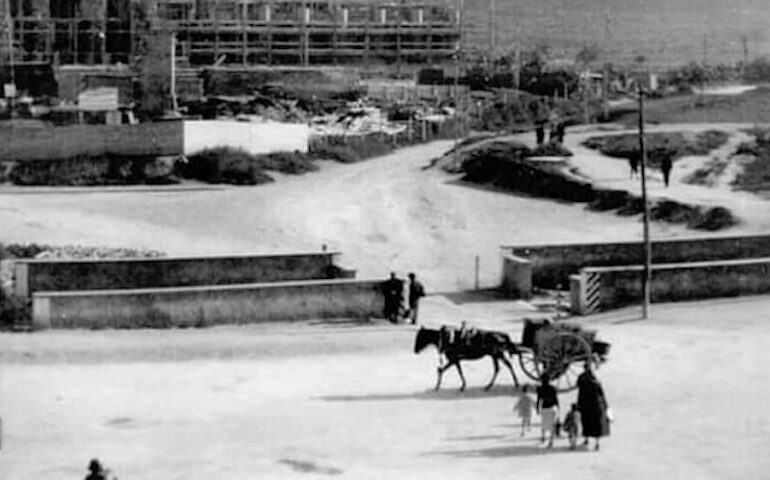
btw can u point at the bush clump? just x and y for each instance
(90, 171)
(239, 167)
(755, 176)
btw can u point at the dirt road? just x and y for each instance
(383, 214)
(317, 400)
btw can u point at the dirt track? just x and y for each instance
(689, 389)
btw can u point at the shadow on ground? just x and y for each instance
(475, 296)
(470, 393)
(505, 451)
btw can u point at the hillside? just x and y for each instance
(664, 31)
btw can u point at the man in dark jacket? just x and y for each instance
(393, 291)
(416, 292)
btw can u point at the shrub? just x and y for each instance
(225, 165)
(13, 311)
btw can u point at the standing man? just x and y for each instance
(416, 292)
(665, 167)
(393, 291)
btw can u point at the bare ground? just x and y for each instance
(313, 401)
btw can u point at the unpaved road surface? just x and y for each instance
(383, 214)
(318, 400)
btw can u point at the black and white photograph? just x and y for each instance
(384, 239)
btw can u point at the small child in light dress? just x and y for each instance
(572, 425)
(524, 407)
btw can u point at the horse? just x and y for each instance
(477, 345)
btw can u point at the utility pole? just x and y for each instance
(173, 73)
(646, 215)
(492, 29)
(456, 159)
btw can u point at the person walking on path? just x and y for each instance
(393, 291)
(572, 425)
(665, 167)
(548, 408)
(593, 406)
(416, 292)
(523, 408)
(633, 163)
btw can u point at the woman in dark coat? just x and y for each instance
(593, 406)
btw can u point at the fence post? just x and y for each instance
(477, 273)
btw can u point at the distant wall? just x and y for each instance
(552, 264)
(517, 277)
(255, 138)
(104, 274)
(204, 306)
(622, 285)
(151, 139)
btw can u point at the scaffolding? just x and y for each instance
(233, 32)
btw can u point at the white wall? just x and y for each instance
(252, 137)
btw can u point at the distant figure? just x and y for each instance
(633, 162)
(561, 128)
(540, 133)
(416, 292)
(548, 408)
(96, 472)
(572, 425)
(553, 133)
(665, 167)
(393, 291)
(593, 406)
(523, 408)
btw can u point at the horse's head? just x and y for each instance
(424, 338)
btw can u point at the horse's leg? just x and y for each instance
(510, 369)
(460, 371)
(494, 375)
(440, 372)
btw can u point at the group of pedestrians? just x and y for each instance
(393, 291)
(665, 168)
(588, 417)
(546, 116)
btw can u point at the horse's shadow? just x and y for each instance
(469, 393)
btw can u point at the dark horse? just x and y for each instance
(453, 346)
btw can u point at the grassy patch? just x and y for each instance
(658, 146)
(755, 176)
(504, 166)
(750, 107)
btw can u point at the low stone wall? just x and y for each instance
(553, 264)
(517, 277)
(205, 306)
(104, 274)
(602, 288)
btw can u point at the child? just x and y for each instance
(548, 407)
(572, 425)
(523, 408)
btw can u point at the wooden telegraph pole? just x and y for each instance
(646, 216)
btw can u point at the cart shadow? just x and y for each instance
(505, 451)
(470, 393)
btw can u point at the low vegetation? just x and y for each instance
(504, 165)
(658, 146)
(755, 176)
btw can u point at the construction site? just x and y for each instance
(225, 32)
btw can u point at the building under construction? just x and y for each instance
(231, 32)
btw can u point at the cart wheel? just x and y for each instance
(529, 365)
(562, 357)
